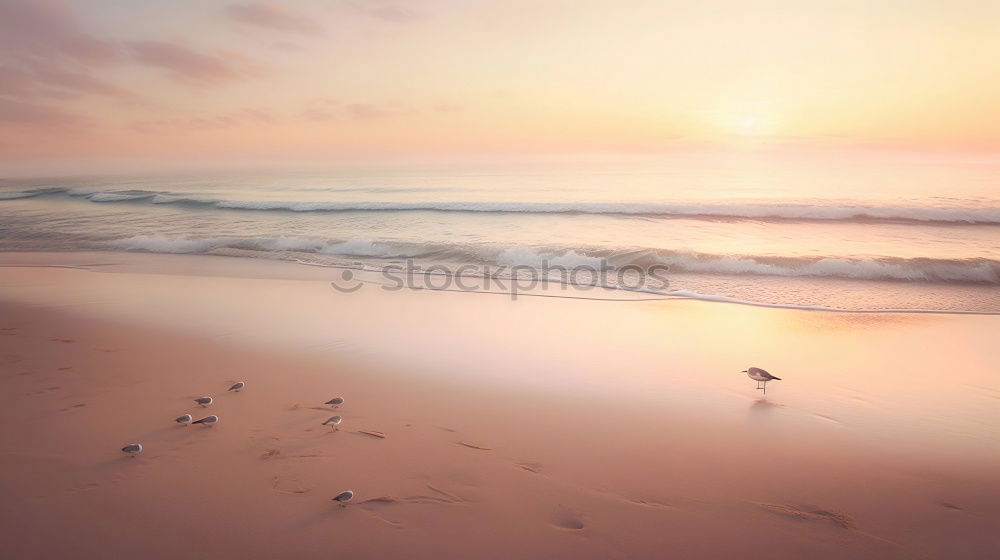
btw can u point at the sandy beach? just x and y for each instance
(536, 428)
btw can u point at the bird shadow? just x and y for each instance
(114, 462)
(762, 407)
(326, 515)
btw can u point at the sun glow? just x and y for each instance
(751, 125)
(745, 123)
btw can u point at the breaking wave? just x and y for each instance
(976, 270)
(748, 211)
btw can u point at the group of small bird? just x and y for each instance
(134, 449)
(757, 374)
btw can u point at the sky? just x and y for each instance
(178, 80)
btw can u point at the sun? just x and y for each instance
(751, 125)
(744, 120)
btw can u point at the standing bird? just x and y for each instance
(133, 449)
(761, 377)
(183, 420)
(208, 420)
(344, 497)
(204, 401)
(333, 421)
(335, 401)
(237, 386)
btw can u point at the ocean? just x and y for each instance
(860, 233)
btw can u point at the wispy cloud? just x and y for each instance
(326, 110)
(47, 29)
(241, 117)
(19, 113)
(45, 53)
(273, 16)
(189, 66)
(388, 10)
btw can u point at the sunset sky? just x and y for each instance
(161, 80)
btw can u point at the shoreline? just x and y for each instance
(136, 259)
(541, 428)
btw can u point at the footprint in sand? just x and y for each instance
(565, 518)
(840, 520)
(371, 433)
(373, 506)
(647, 502)
(287, 485)
(75, 406)
(270, 453)
(439, 496)
(531, 467)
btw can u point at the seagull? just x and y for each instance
(183, 420)
(344, 497)
(237, 386)
(334, 420)
(761, 377)
(204, 401)
(208, 420)
(134, 449)
(335, 401)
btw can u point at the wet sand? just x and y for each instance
(537, 428)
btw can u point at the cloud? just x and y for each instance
(317, 114)
(201, 122)
(365, 111)
(446, 107)
(190, 66)
(47, 29)
(325, 110)
(388, 11)
(18, 113)
(274, 17)
(44, 53)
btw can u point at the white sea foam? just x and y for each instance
(527, 257)
(163, 244)
(13, 195)
(118, 196)
(81, 191)
(927, 270)
(876, 268)
(732, 211)
(746, 211)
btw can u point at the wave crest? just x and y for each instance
(982, 271)
(748, 211)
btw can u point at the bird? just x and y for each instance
(335, 401)
(204, 401)
(183, 420)
(761, 377)
(237, 386)
(334, 421)
(134, 449)
(344, 497)
(208, 420)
